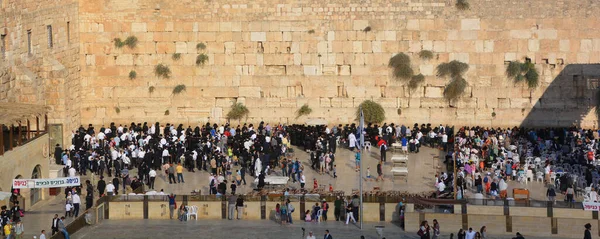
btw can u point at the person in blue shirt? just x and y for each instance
(404, 145)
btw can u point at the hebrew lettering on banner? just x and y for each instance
(46, 183)
(591, 206)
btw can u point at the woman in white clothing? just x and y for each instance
(349, 214)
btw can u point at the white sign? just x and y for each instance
(46, 183)
(591, 206)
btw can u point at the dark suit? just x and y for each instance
(54, 225)
(327, 236)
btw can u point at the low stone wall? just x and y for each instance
(532, 221)
(148, 208)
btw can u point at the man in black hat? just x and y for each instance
(58, 154)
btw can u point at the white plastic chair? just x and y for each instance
(368, 145)
(319, 215)
(530, 175)
(192, 211)
(539, 177)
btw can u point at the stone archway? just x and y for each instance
(35, 194)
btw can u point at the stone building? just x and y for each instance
(275, 56)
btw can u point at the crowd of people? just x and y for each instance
(488, 158)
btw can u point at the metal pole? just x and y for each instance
(360, 180)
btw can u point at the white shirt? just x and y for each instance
(120, 129)
(152, 173)
(302, 179)
(69, 163)
(101, 136)
(42, 236)
(445, 138)
(311, 237)
(441, 186)
(110, 187)
(72, 172)
(470, 234)
(76, 199)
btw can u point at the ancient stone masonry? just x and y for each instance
(276, 56)
(40, 57)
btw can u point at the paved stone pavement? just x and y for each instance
(421, 168)
(140, 229)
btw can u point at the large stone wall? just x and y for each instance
(275, 56)
(46, 75)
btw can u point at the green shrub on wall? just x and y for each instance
(520, 72)
(132, 75)
(462, 5)
(426, 55)
(201, 59)
(161, 70)
(455, 70)
(373, 112)
(178, 89)
(304, 110)
(176, 56)
(400, 63)
(415, 81)
(238, 111)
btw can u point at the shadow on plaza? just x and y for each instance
(568, 98)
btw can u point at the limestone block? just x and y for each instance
(324, 102)
(359, 25)
(533, 45)
(415, 46)
(90, 60)
(434, 92)
(596, 45)
(426, 69)
(564, 45)
(503, 103)
(434, 103)
(586, 46)
(468, 35)
(439, 46)
(488, 46)
(463, 103)
(547, 34)
(357, 46)
(181, 47)
(250, 92)
(520, 103)
(322, 47)
(258, 36)
(138, 27)
(125, 60)
(426, 24)
(463, 57)
(520, 34)
(390, 35)
(376, 46)
(229, 47)
(412, 24)
(311, 70)
(344, 70)
(330, 36)
(470, 24)
(510, 56)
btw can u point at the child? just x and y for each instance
(368, 173)
(330, 188)
(334, 171)
(68, 208)
(315, 184)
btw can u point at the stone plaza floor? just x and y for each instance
(235, 229)
(422, 168)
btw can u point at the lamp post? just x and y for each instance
(362, 146)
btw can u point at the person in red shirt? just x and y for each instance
(315, 183)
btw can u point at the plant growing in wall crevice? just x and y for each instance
(118, 43)
(311, 31)
(455, 70)
(201, 59)
(237, 112)
(117, 110)
(200, 46)
(373, 112)
(167, 112)
(426, 55)
(400, 63)
(131, 42)
(132, 75)
(415, 81)
(151, 89)
(462, 5)
(178, 89)
(523, 72)
(304, 110)
(163, 71)
(367, 29)
(176, 56)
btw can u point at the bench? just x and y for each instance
(399, 158)
(399, 171)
